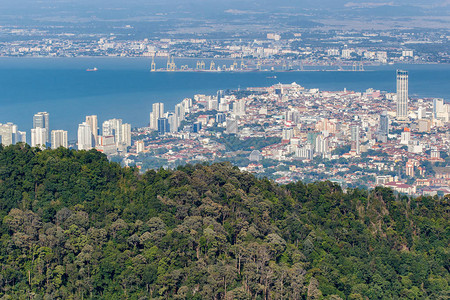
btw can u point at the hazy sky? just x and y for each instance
(214, 4)
(33, 12)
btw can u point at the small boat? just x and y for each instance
(271, 77)
(92, 70)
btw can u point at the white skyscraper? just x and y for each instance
(93, 123)
(120, 131)
(41, 120)
(157, 113)
(173, 122)
(113, 127)
(180, 111)
(84, 136)
(402, 95)
(355, 144)
(126, 134)
(21, 137)
(38, 137)
(59, 139)
(8, 133)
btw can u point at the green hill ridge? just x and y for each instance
(75, 226)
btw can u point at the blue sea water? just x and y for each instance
(124, 87)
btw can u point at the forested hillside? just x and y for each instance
(75, 226)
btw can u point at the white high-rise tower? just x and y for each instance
(157, 113)
(59, 139)
(354, 137)
(41, 120)
(93, 123)
(84, 136)
(402, 95)
(38, 136)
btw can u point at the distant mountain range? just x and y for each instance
(215, 11)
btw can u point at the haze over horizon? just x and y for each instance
(280, 14)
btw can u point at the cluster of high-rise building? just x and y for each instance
(41, 136)
(115, 135)
(169, 121)
(9, 134)
(370, 137)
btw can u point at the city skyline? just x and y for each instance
(175, 116)
(237, 149)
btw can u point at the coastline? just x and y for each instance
(125, 88)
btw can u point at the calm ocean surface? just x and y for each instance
(124, 87)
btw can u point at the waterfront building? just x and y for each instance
(107, 145)
(156, 114)
(173, 122)
(84, 136)
(59, 139)
(38, 137)
(126, 135)
(41, 120)
(220, 95)
(92, 121)
(441, 110)
(21, 137)
(120, 131)
(402, 95)
(8, 133)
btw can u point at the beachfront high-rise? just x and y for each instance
(157, 113)
(93, 123)
(41, 120)
(8, 134)
(402, 95)
(59, 139)
(120, 131)
(84, 136)
(38, 137)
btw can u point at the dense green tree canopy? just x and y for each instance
(75, 226)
